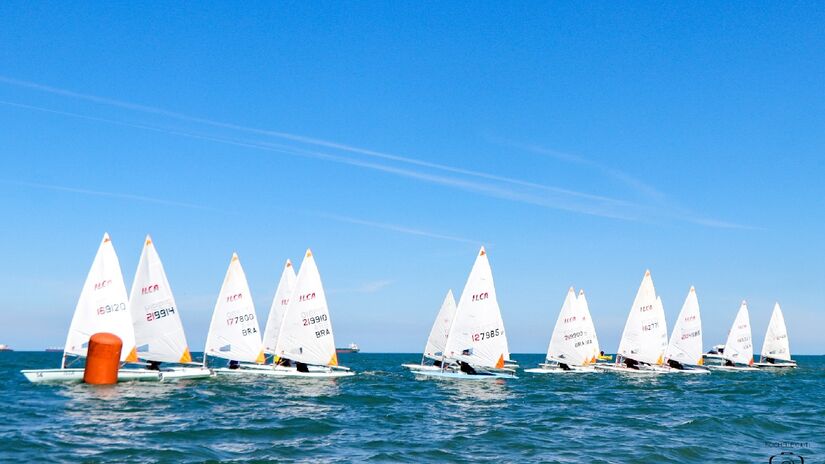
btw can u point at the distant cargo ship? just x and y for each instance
(5, 348)
(53, 349)
(352, 348)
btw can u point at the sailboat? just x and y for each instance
(102, 307)
(476, 346)
(159, 334)
(573, 345)
(684, 351)
(738, 351)
(644, 339)
(305, 345)
(437, 341)
(280, 302)
(776, 351)
(234, 333)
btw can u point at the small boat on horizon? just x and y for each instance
(4, 347)
(351, 348)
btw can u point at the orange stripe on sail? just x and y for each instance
(261, 358)
(333, 361)
(660, 361)
(132, 355)
(186, 357)
(701, 362)
(500, 362)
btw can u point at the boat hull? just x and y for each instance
(185, 373)
(621, 369)
(438, 373)
(281, 371)
(76, 375)
(548, 369)
(784, 365)
(421, 367)
(733, 368)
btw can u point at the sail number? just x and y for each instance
(477, 337)
(233, 320)
(481, 296)
(692, 334)
(111, 308)
(574, 335)
(315, 319)
(651, 326)
(163, 312)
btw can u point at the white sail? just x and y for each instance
(234, 332)
(103, 306)
(685, 344)
(644, 337)
(776, 344)
(595, 351)
(306, 334)
(441, 328)
(739, 346)
(477, 335)
(159, 332)
(278, 308)
(572, 341)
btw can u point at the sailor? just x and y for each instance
(675, 364)
(729, 363)
(302, 367)
(153, 366)
(631, 363)
(564, 367)
(467, 369)
(234, 364)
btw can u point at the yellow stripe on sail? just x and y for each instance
(333, 361)
(701, 362)
(261, 358)
(660, 361)
(132, 355)
(186, 357)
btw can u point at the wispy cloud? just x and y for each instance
(491, 185)
(100, 193)
(396, 228)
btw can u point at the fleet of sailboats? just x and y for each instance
(467, 339)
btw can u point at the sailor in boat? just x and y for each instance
(675, 364)
(153, 366)
(467, 369)
(770, 360)
(234, 364)
(631, 363)
(564, 367)
(729, 363)
(301, 367)
(603, 357)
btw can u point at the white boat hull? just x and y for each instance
(281, 371)
(732, 368)
(185, 373)
(782, 365)
(421, 367)
(622, 369)
(447, 374)
(76, 375)
(559, 370)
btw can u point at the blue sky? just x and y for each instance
(581, 143)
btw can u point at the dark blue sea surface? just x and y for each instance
(384, 414)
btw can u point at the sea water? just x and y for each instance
(385, 414)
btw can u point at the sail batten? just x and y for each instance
(103, 306)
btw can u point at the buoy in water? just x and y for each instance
(103, 359)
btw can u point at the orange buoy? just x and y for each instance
(103, 359)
